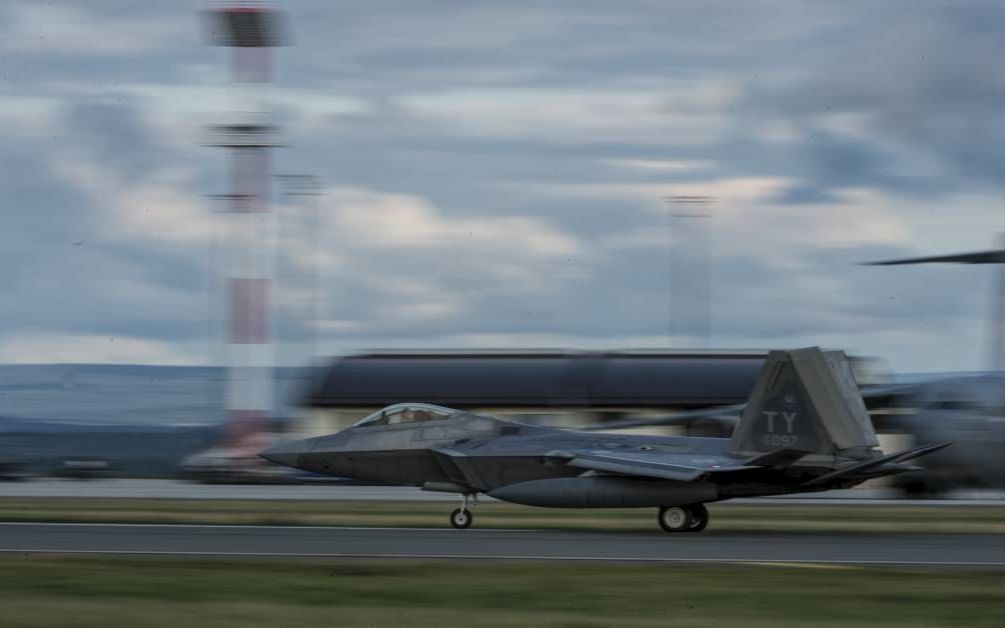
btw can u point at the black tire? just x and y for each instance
(461, 519)
(699, 517)
(674, 518)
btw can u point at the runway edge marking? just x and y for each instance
(224, 526)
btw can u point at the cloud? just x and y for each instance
(410, 268)
(372, 219)
(903, 101)
(496, 173)
(67, 29)
(687, 113)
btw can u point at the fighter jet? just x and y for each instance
(805, 428)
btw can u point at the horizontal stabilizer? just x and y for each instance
(778, 458)
(921, 451)
(859, 467)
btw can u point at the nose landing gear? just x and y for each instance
(689, 518)
(461, 518)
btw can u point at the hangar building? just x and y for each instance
(551, 387)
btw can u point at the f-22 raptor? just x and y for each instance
(805, 428)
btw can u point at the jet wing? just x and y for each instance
(668, 467)
(650, 465)
(728, 415)
(980, 257)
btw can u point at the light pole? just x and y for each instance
(690, 279)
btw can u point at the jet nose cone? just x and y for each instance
(287, 454)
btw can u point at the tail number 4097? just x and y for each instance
(780, 429)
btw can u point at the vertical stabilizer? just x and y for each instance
(996, 324)
(805, 400)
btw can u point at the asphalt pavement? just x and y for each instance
(172, 489)
(969, 550)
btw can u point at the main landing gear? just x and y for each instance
(690, 518)
(461, 518)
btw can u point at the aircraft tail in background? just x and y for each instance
(996, 321)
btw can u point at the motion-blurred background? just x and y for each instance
(568, 212)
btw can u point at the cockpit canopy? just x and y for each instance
(406, 413)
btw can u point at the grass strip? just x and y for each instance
(85, 591)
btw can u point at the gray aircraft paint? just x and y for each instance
(809, 402)
(803, 391)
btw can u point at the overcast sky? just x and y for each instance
(493, 175)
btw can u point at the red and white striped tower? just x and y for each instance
(250, 30)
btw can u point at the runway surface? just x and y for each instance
(907, 549)
(171, 489)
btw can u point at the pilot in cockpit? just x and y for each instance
(422, 415)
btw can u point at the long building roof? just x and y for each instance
(619, 379)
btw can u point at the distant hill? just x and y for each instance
(141, 419)
(125, 393)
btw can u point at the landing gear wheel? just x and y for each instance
(699, 517)
(675, 519)
(461, 519)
